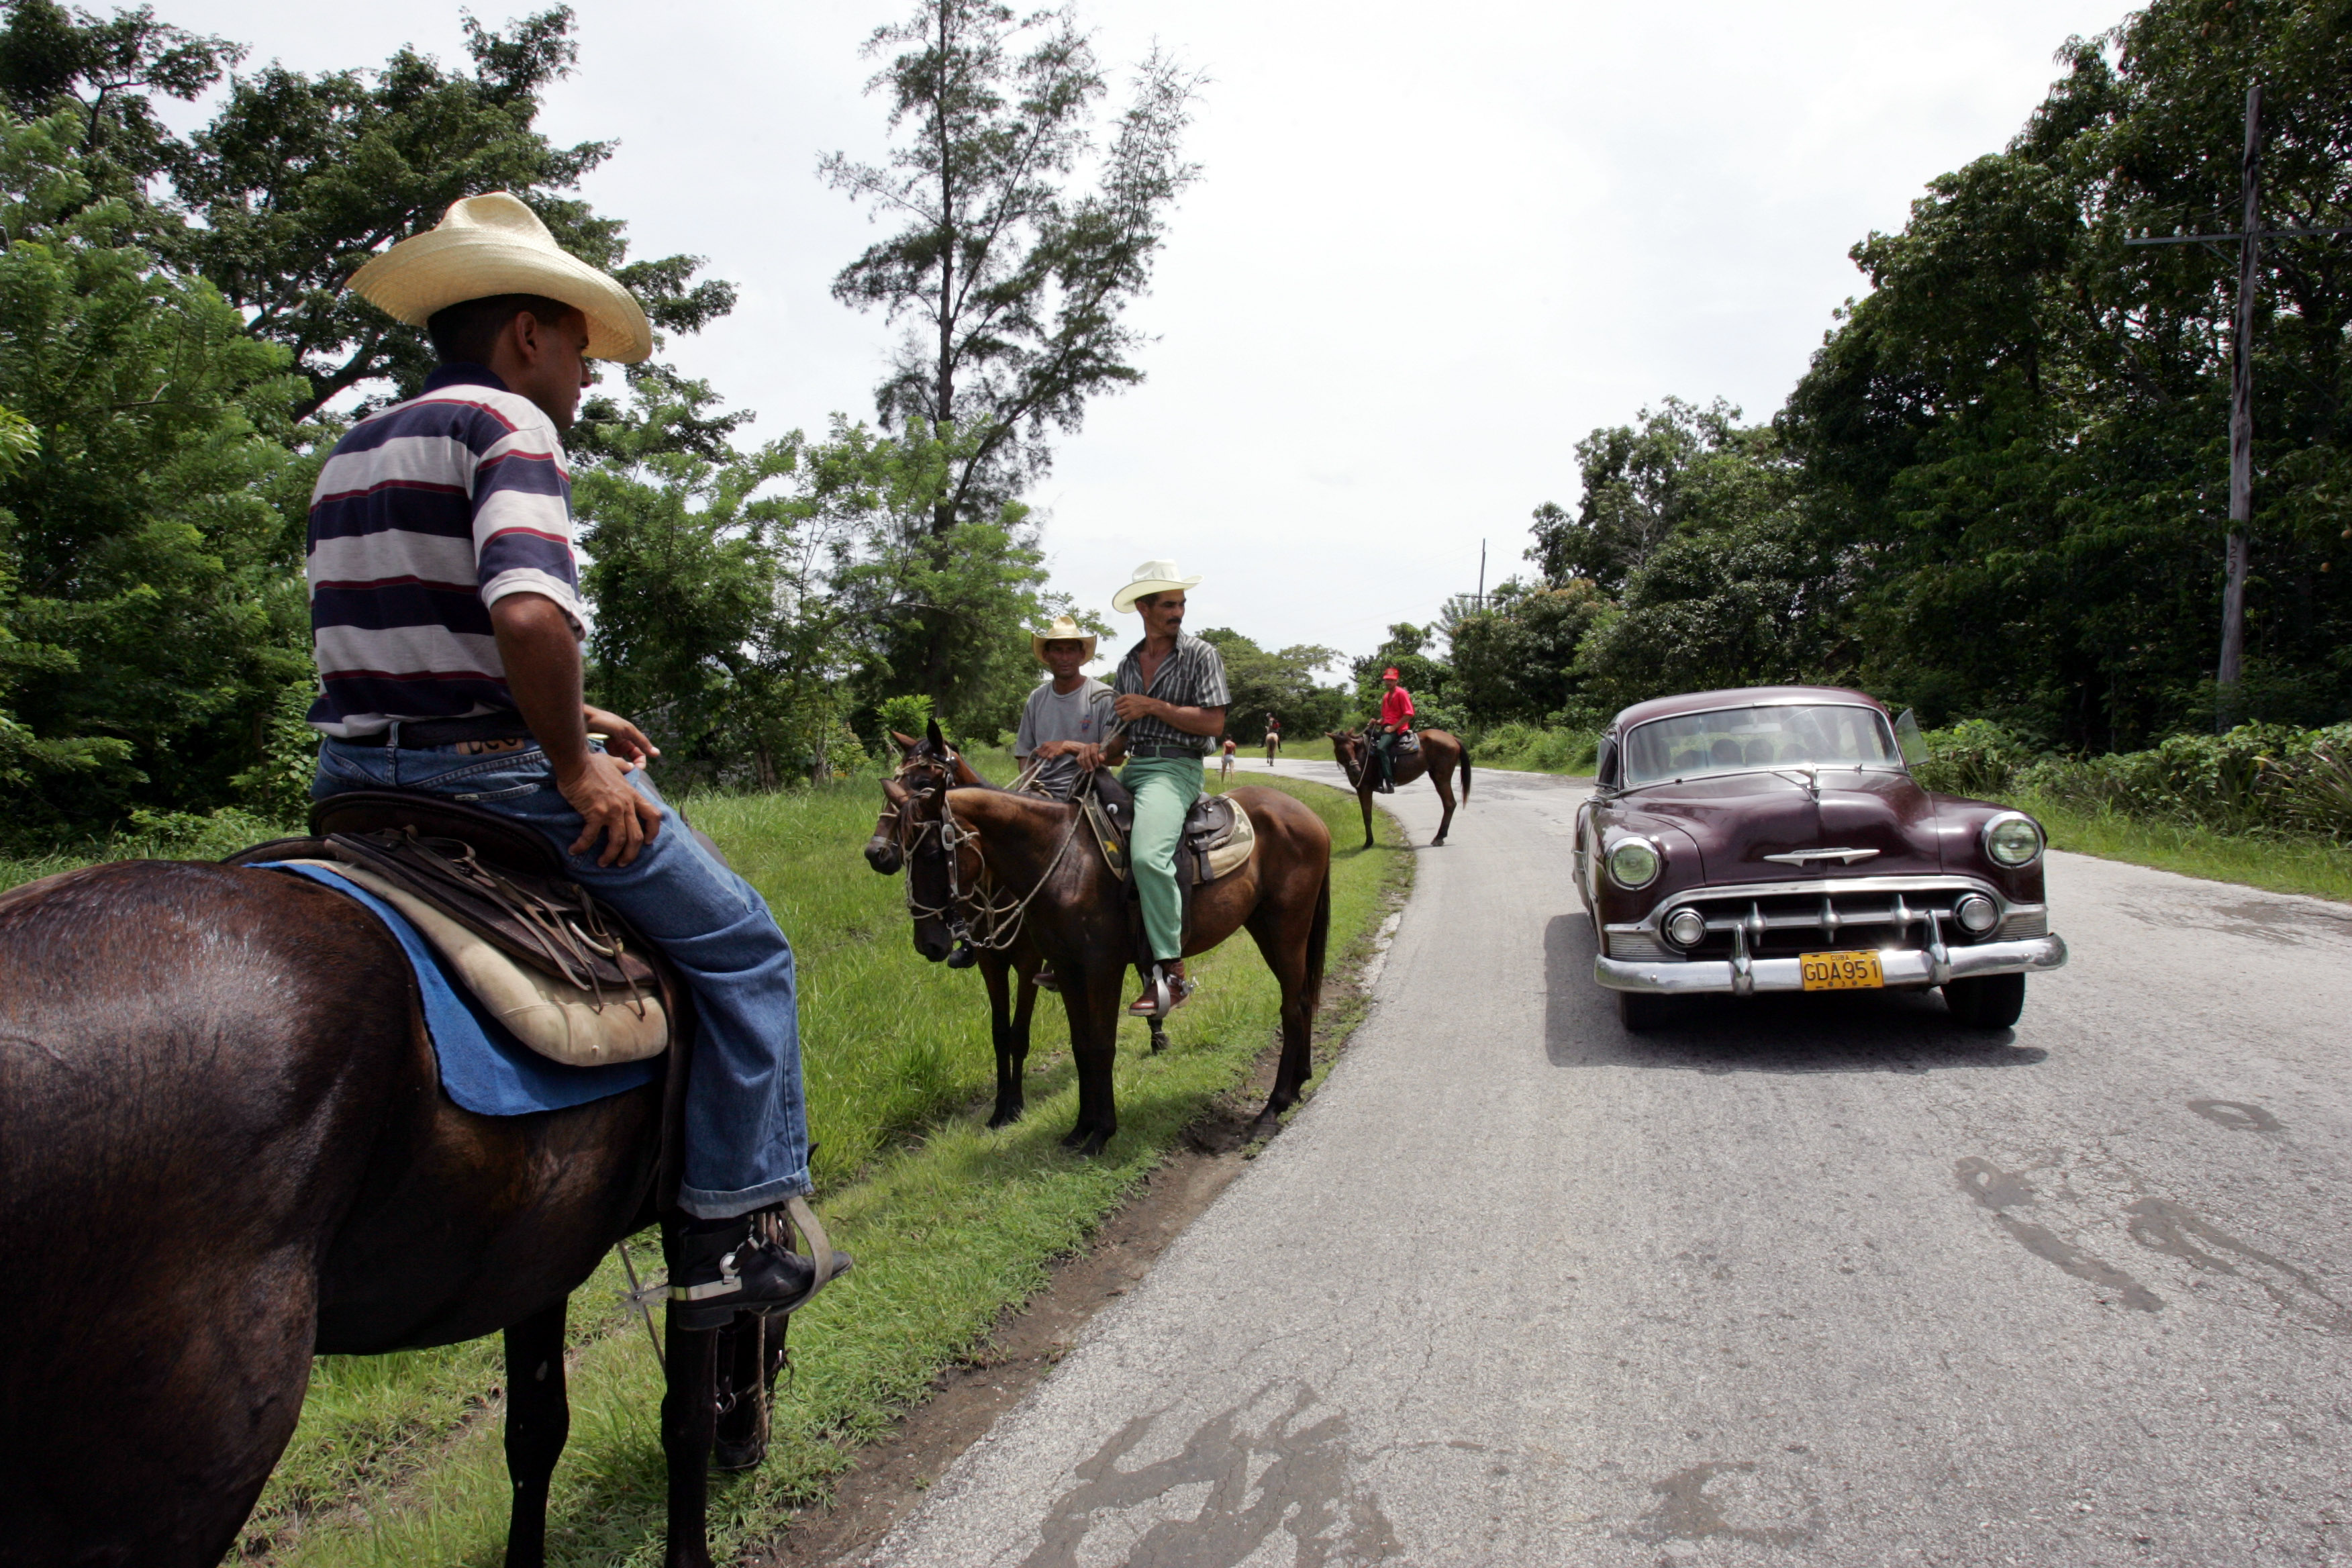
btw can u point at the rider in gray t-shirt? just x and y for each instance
(1064, 713)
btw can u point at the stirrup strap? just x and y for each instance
(811, 1230)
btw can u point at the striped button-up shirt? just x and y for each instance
(425, 516)
(1193, 676)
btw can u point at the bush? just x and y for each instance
(1537, 749)
(2258, 779)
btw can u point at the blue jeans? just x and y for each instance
(746, 1122)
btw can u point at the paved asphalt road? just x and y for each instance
(1807, 1280)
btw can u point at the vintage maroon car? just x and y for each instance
(1773, 839)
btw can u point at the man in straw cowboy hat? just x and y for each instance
(1065, 714)
(1171, 699)
(447, 620)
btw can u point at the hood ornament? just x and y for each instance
(1807, 856)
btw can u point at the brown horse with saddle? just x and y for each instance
(1438, 755)
(225, 1134)
(993, 871)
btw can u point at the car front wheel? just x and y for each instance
(1986, 1001)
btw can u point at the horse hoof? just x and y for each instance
(732, 1457)
(1004, 1118)
(1268, 1123)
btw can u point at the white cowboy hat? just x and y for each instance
(1063, 630)
(494, 245)
(1151, 578)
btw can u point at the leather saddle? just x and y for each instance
(1218, 839)
(470, 879)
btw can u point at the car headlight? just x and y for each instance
(1976, 913)
(1634, 863)
(1687, 928)
(2014, 840)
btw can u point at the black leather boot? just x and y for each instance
(721, 1267)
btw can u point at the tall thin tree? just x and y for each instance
(1016, 285)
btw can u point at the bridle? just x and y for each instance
(983, 917)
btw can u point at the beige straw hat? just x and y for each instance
(1063, 629)
(1151, 578)
(494, 245)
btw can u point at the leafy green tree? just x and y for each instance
(2018, 441)
(150, 583)
(941, 615)
(1429, 678)
(1683, 467)
(105, 71)
(712, 629)
(300, 179)
(1515, 658)
(1015, 285)
(1281, 683)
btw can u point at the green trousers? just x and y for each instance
(1164, 790)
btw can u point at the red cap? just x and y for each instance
(1390, 674)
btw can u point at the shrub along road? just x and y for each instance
(1819, 1279)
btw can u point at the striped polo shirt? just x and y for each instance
(425, 516)
(1193, 676)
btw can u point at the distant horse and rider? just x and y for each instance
(1390, 752)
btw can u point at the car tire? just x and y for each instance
(1987, 1000)
(1639, 1012)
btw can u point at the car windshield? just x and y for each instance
(1743, 740)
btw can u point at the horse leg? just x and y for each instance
(1364, 799)
(1010, 1036)
(739, 1437)
(1445, 783)
(538, 1418)
(690, 1419)
(1092, 1002)
(1293, 950)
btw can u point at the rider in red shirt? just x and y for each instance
(1396, 723)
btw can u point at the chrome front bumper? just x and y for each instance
(1904, 967)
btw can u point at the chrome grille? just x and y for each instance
(1637, 945)
(1816, 919)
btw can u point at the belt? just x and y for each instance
(406, 732)
(1156, 753)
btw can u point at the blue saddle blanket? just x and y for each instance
(484, 1068)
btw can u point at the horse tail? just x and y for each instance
(1318, 938)
(1466, 776)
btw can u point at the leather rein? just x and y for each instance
(998, 920)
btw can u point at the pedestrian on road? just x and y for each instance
(1064, 714)
(1226, 760)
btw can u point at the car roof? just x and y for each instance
(1704, 702)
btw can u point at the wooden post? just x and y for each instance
(2241, 427)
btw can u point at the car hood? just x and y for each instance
(1739, 820)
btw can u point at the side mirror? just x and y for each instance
(1913, 744)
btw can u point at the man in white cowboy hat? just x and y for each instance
(1170, 700)
(447, 620)
(1064, 714)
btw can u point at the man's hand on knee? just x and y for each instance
(609, 809)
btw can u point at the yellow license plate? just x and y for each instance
(1841, 970)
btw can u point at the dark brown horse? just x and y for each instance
(1025, 870)
(224, 1149)
(1440, 753)
(1010, 972)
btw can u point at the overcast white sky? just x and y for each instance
(1432, 247)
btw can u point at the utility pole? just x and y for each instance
(1482, 575)
(2231, 671)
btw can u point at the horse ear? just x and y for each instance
(932, 734)
(894, 792)
(905, 743)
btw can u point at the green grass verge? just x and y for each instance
(397, 1459)
(1529, 749)
(2283, 866)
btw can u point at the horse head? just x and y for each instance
(1347, 751)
